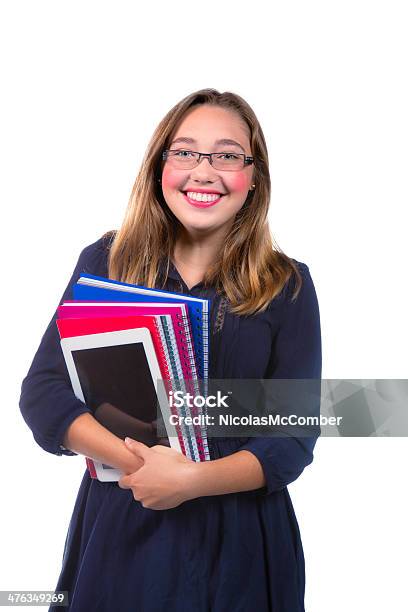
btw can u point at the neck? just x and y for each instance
(198, 251)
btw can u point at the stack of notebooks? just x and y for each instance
(128, 349)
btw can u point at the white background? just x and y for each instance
(84, 84)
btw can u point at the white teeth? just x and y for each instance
(203, 197)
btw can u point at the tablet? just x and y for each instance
(117, 375)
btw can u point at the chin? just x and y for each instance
(199, 227)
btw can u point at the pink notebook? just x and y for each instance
(178, 312)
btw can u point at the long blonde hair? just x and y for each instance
(251, 270)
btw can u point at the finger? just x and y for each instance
(137, 496)
(124, 482)
(138, 448)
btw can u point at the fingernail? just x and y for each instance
(128, 441)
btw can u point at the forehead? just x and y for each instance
(206, 124)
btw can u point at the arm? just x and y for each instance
(87, 437)
(268, 464)
(57, 418)
(297, 354)
(167, 478)
(240, 471)
(271, 463)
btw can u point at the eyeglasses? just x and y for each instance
(186, 160)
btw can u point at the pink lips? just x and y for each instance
(201, 204)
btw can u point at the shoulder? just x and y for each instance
(102, 244)
(307, 284)
(299, 276)
(305, 278)
(95, 255)
(303, 308)
(298, 291)
(301, 266)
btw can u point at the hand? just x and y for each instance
(163, 480)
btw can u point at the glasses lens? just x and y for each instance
(228, 161)
(185, 159)
(182, 158)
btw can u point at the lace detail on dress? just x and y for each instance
(219, 320)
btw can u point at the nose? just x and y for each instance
(204, 171)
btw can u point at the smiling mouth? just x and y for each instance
(202, 200)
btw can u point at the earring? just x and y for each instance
(159, 180)
(253, 187)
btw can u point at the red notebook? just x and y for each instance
(85, 326)
(179, 341)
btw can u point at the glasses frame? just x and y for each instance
(248, 160)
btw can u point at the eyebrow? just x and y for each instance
(222, 141)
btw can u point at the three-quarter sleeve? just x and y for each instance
(47, 401)
(296, 354)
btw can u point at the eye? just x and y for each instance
(182, 153)
(228, 156)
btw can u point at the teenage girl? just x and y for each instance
(175, 535)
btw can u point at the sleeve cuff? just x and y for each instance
(55, 446)
(282, 458)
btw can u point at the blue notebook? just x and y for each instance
(90, 287)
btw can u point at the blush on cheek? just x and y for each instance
(238, 181)
(170, 179)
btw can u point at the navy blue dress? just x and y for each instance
(238, 552)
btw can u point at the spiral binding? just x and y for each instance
(187, 338)
(201, 350)
(200, 431)
(170, 340)
(173, 377)
(202, 342)
(165, 360)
